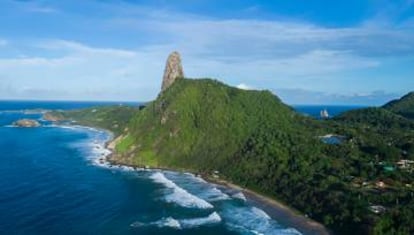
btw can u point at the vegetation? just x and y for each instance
(254, 140)
(403, 106)
(113, 118)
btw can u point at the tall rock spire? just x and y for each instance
(173, 70)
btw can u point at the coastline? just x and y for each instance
(279, 211)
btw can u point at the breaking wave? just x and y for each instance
(213, 218)
(170, 222)
(252, 220)
(207, 191)
(179, 195)
(239, 196)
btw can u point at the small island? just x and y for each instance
(26, 123)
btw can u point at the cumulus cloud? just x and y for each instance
(244, 87)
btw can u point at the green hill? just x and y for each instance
(202, 124)
(113, 118)
(403, 106)
(252, 139)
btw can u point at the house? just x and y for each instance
(405, 163)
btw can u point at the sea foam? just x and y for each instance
(207, 191)
(213, 218)
(170, 222)
(239, 196)
(252, 220)
(179, 195)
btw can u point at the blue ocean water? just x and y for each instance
(333, 110)
(52, 182)
(17, 105)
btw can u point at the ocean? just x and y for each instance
(333, 110)
(51, 182)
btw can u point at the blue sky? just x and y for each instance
(306, 52)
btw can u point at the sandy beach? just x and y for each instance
(278, 211)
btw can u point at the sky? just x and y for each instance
(305, 51)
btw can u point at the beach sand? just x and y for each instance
(278, 211)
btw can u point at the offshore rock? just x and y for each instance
(173, 70)
(26, 123)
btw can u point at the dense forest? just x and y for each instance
(361, 183)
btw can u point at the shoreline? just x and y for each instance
(282, 213)
(277, 210)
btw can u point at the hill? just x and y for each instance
(206, 122)
(403, 106)
(375, 117)
(253, 140)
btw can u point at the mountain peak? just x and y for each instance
(173, 70)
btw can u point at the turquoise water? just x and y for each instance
(53, 183)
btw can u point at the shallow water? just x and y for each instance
(52, 182)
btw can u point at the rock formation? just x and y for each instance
(53, 116)
(173, 70)
(26, 123)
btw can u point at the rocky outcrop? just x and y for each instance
(173, 70)
(26, 123)
(53, 116)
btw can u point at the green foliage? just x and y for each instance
(256, 141)
(199, 123)
(113, 118)
(403, 106)
(375, 117)
(125, 144)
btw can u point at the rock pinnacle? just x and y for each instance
(173, 70)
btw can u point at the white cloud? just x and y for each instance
(244, 87)
(302, 96)
(263, 39)
(109, 73)
(82, 72)
(79, 48)
(261, 53)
